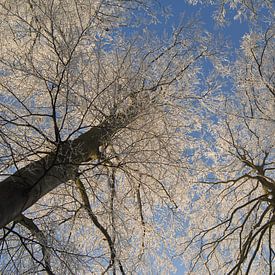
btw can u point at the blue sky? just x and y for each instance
(179, 8)
(233, 33)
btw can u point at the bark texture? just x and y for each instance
(26, 186)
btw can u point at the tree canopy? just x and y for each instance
(123, 150)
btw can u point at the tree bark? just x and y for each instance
(26, 186)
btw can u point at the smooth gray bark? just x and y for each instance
(25, 187)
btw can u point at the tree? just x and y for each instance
(239, 205)
(92, 131)
(250, 10)
(119, 152)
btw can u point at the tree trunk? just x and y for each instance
(25, 187)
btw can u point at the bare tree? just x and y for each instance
(119, 152)
(92, 132)
(251, 10)
(239, 205)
